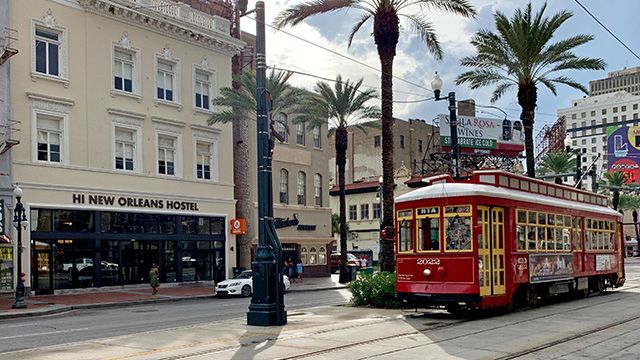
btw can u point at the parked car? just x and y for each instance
(242, 285)
(334, 261)
(80, 264)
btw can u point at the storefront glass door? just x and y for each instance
(137, 257)
(42, 268)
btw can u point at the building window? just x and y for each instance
(376, 210)
(313, 255)
(623, 118)
(615, 119)
(593, 140)
(583, 115)
(123, 70)
(635, 107)
(604, 111)
(615, 109)
(623, 108)
(316, 137)
(420, 146)
(125, 149)
(284, 186)
(353, 212)
(574, 116)
(575, 142)
(166, 80)
(376, 141)
(302, 188)
(364, 211)
(300, 133)
(281, 126)
(166, 154)
(402, 141)
(49, 143)
(204, 157)
(317, 189)
(593, 113)
(47, 51)
(202, 89)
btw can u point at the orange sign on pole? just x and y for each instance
(238, 226)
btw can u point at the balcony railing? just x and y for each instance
(185, 13)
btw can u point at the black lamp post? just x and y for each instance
(267, 303)
(20, 220)
(436, 85)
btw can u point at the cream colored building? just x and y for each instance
(116, 160)
(300, 194)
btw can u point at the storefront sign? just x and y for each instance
(550, 267)
(238, 226)
(286, 222)
(6, 268)
(491, 136)
(133, 202)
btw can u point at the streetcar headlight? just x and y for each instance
(426, 272)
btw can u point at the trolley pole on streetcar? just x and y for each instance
(436, 85)
(267, 303)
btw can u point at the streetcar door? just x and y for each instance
(491, 265)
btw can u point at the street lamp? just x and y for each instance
(20, 220)
(436, 85)
(267, 302)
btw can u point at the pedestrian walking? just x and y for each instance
(291, 267)
(299, 270)
(154, 275)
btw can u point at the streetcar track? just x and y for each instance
(424, 330)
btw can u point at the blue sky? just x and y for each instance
(415, 64)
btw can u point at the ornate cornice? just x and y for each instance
(214, 37)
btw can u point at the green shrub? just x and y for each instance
(377, 290)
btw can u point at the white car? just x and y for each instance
(242, 285)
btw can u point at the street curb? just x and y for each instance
(57, 309)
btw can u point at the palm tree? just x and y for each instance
(628, 202)
(386, 32)
(239, 106)
(345, 105)
(557, 163)
(615, 180)
(520, 55)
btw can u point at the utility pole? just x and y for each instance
(267, 303)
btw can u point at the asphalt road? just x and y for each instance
(81, 325)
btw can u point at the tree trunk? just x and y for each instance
(241, 189)
(386, 33)
(616, 200)
(341, 160)
(527, 98)
(635, 227)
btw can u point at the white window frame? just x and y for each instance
(51, 109)
(175, 63)
(212, 81)
(313, 136)
(301, 186)
(165, 129)
(317, 189)
(300, 134)
(135, 73)
(282, 125)
(63, 65)
(130, 124)
(286, 187)
(210, 138)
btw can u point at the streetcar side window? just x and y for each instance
(457, 226)
(599, 235)
(405, 231)
(428, 220)
(540, 231)
(577, 233)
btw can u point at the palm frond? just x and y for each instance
(458, 7)
(427, 33)
(297, 13)
(356, 27)
(500, 90)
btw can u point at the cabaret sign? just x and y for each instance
(133, 202)
(287, 222)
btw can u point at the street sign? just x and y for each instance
(238, 226)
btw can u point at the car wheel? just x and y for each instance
(246, 291)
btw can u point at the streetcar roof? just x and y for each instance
(447, 190)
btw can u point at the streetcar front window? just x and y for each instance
(429, 234)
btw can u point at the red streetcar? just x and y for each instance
(500, 239)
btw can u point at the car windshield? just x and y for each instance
(243, 275)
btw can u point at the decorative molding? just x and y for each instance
(167, 125)
(205, 131)
(204, 65)
(167, 54)
(185, 23)
(50, 103)
(125, 42)
(48, 20)
(119, 114)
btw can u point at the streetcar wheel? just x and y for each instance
(532, 297)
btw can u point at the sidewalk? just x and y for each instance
(128, 296)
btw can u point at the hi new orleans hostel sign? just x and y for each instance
(484, 135)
